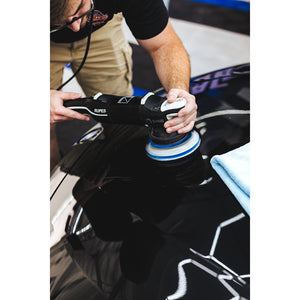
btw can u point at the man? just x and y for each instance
(108, 65)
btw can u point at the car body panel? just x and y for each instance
(186, 242)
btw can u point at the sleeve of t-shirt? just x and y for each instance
(145, 18)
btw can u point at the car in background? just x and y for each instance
(147, 237)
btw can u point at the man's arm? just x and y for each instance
(172, 65)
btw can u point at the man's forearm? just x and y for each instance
(172, 66)
(171, 60)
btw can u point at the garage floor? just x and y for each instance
(215, 37)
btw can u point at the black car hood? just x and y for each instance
(186, 241)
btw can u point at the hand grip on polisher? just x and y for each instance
(149, 110)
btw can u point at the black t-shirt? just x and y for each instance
(145, 18)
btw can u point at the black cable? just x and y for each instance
(85, 54)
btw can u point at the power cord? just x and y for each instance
(85, 54)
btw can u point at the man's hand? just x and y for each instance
(60, 113)
(186, 116)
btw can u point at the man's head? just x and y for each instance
(57, 10)
(70, 13)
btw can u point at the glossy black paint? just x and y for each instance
(148, 224)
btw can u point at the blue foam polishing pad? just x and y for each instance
(174, 151)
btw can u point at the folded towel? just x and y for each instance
(234, 169)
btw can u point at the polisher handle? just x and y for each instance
(109, 108)
(149, 110)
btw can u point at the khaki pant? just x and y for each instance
(107, 69)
